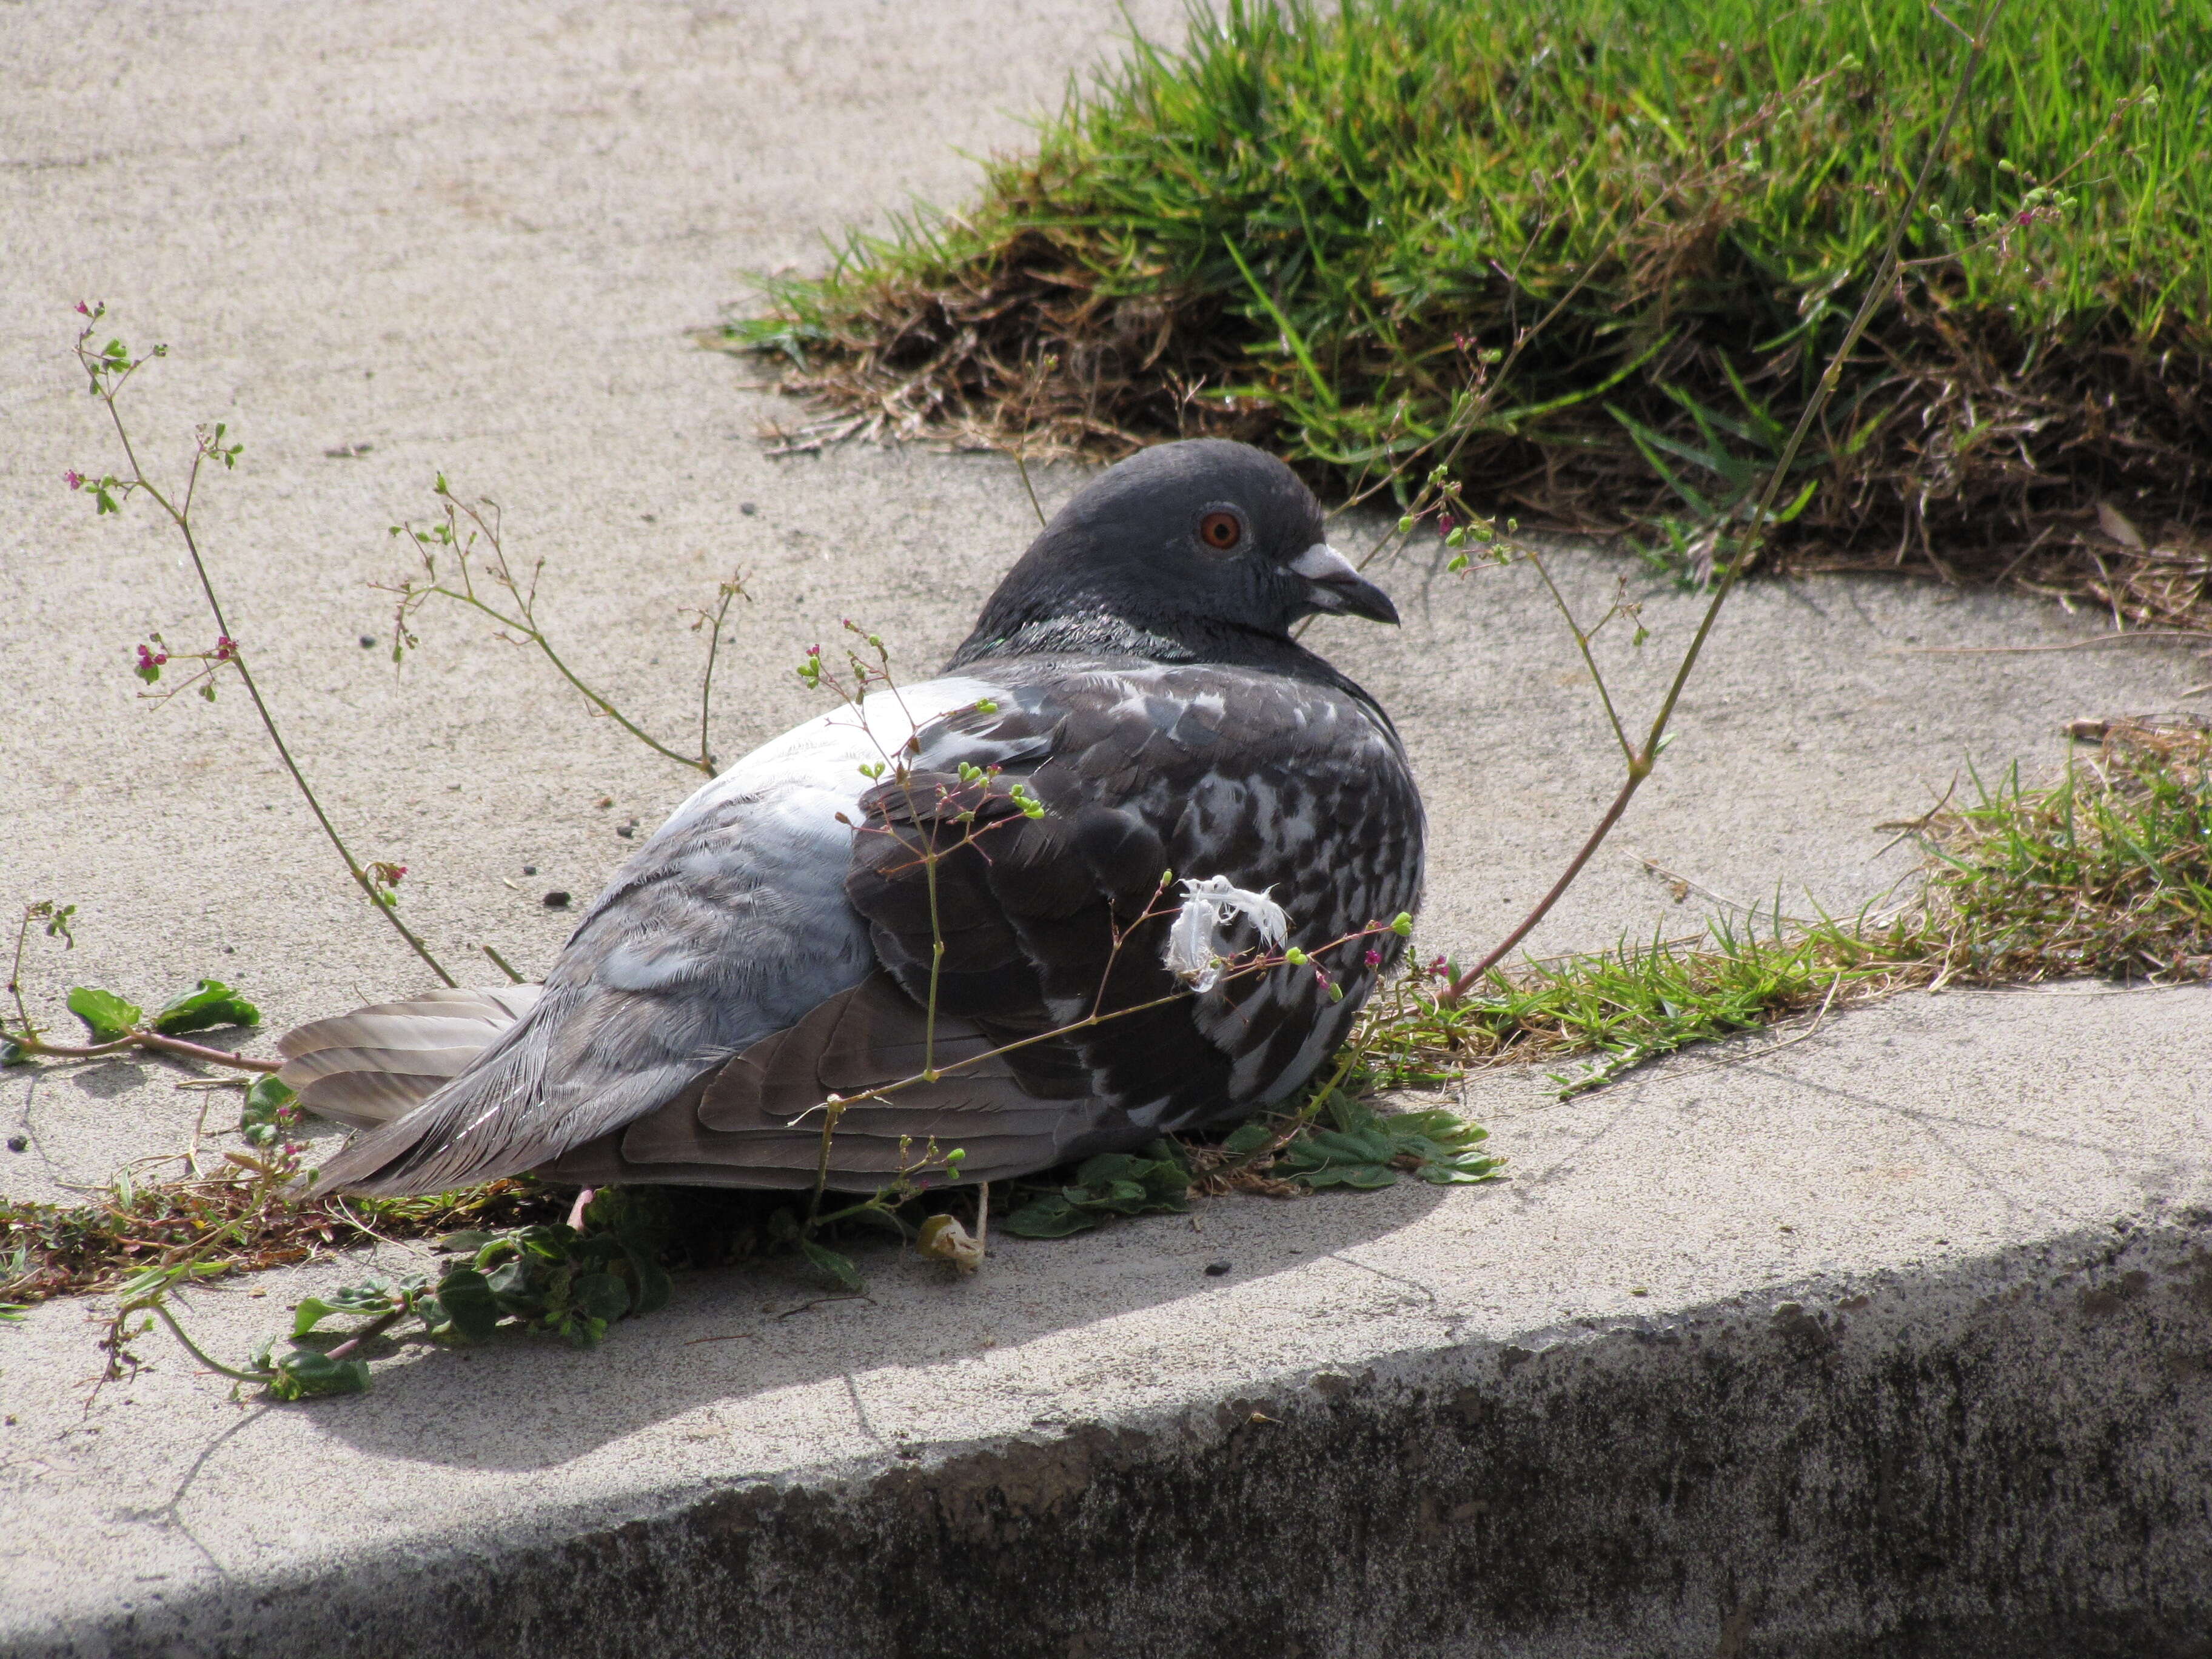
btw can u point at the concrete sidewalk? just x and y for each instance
(1897, 1340)
(390, 239)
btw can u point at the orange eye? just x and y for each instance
(1221, 531)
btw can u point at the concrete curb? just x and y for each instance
(2008, 1457)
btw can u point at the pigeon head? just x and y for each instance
(1203, 549)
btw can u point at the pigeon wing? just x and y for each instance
(729, 924)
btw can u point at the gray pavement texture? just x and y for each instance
(1629, 1401)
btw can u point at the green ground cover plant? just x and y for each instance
(2105, 870)
(1598, 253)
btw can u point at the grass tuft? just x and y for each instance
(2107, 871)
(1327, 231)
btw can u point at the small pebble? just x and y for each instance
(1215, 1269)
(747, 509)
(18, 1142)
(367, 641)
(529, 869)
(626, 831)
(557, 899)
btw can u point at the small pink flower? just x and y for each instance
(1373, 958)
(74, 478)
(813, 650)
(1320, 978)
(1446, 524)
(225, 647)
(83, 309)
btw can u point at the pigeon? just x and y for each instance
(1127, 866)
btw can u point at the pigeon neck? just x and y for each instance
(1103, 633)
(1100, 634)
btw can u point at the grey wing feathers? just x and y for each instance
(375, 1064)
(728, 925)
(757, 1121)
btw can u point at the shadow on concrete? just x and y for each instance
(522, 1403)
(2004, 1457)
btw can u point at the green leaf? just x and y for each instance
(1108, 1184)
(1104, 1169)
(368, 1300)
(654, 1285)
(513, 1286)
(1049, 1216)
(1248, 1139)
(304, 1373)
(582, 1330)
(211, 1003)
(11, 1053)
(265, 1100)
(838, 1267)
(468, 1241)
(105, 1014)
(1366, 1177)
(311, 1312)
(1463, 1171)
(603, 1297)
(465, 1296)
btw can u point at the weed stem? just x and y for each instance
(1640, 762)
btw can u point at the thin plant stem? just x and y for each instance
(936, 968)
(537, 637)
(1640, 762)
(194, 1348)
(154, 1040)
(183, 521)
(370, 1332)
(15, 975)
(832, 1109)
(1022, 466)
(709, 763)
(1583, 645)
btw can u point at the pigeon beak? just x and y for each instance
(1333, 586)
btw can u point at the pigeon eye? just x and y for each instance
(1221, 531)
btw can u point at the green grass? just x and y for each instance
(2106, 871)
(1329, 232)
